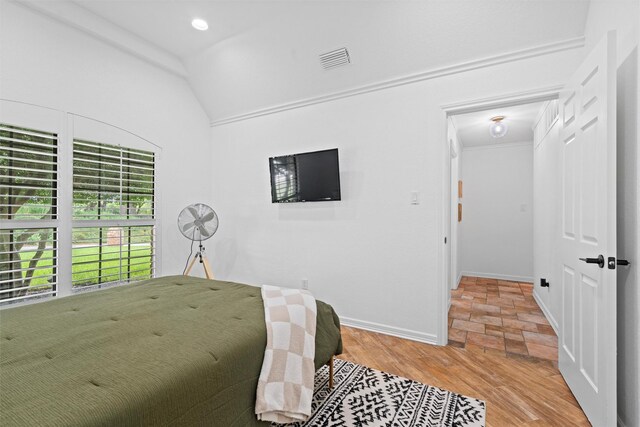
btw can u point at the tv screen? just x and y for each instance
(305, 177)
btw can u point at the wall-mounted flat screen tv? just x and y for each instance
(305, 177)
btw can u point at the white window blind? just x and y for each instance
(113, 238)
(112, 255)
(28, 173)
(112, 182)
(28, 261)
(28, 212)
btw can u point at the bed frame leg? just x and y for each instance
(331, 372)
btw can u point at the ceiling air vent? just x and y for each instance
(335, 58)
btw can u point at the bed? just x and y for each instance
(167, 351)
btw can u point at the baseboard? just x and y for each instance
(390, 330)
(458, 281)
(546, 312)
(498, 276)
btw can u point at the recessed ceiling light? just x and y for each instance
(200, 24)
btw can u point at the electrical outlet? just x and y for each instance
(305, 284)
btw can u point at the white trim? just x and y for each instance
(444, 231)
(498, 276)
(540, 114)
(30, 223)
(75, 16)
(97, 122)
(94, 223)
(83, 117)
(546, 312)
(493, 146)
(507, 100)
(459, 280)
(29, 301)
(65, 208)
(488, 61)
(389, 330)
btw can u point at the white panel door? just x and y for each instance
(587, 347)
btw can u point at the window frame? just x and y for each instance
(68, 127)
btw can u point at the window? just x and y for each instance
(112, 182)
(28, 212)
(113, 189)
(77, 205)
(107, 255)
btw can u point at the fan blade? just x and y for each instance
(187, 226)
(203, 231)
(194, 212)
(208, 217)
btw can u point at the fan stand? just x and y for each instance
(203, 260)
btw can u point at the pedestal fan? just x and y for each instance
(198, 222)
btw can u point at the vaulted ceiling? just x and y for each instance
(258, 54)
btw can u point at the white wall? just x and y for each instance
(373, 255)
(546, 172)
(623, 16)
(52, 65)
(496, 232)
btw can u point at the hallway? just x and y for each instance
(500, 317)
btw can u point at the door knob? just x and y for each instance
(599, 261)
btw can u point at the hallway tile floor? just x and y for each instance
(500, 317)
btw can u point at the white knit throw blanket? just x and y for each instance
(285, 387)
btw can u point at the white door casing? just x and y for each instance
(587, 339)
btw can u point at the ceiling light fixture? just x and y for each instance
(498, 128)
(200, 24)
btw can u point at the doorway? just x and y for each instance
(492, 305)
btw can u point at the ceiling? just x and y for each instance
(258, 54)
(473, 128)
(167, 23)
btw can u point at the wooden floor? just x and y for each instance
(518, 391)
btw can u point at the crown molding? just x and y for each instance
(508, 100)
(517, 55)
(495, 146)
(74, 15)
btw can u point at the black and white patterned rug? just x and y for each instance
(365, 397)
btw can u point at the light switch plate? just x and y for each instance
(414, 198)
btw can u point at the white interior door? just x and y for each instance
(587, 350)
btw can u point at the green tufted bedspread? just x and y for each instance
(168, 351)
